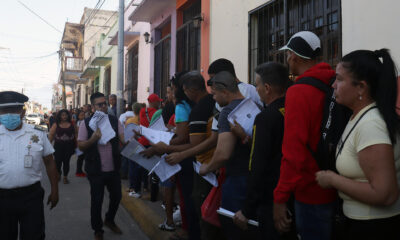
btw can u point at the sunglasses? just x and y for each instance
(101, 104)
(212, 82)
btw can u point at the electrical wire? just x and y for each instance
(39, 17)
(100, 28)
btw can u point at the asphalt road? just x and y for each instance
(70, 219)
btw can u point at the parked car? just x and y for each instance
(33, 118)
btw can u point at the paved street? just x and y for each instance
(70, 220)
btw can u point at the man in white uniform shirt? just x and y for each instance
(22, 149)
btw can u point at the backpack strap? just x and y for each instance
(315, 83)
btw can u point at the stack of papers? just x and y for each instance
(164, 171)
(155, 136)
(230, 214)
(159, 125)
(132, 152)
(210, 177)
(128, 131)
(244, 114)
(100, 120)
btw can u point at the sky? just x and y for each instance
(28, 46)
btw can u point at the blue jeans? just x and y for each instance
(314, 221)
(124, 166)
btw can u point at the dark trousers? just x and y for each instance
(233, 196)
(314, 221)
(25, 209)
(186, 180)
(112, 181)
(137, 175)
(201, 189)
(386, 228)
(79, 163)
(124, 166)
(62, 159)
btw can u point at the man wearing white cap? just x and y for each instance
(22, 149)
(303, 116)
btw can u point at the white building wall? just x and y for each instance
(371, 25)
(144, 54)
(229, 32)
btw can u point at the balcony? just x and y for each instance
(73, 64)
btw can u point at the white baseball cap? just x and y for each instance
(305, 44)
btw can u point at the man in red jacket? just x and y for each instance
(304, 110)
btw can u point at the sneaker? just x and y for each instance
(165, 227)
(177, 217)
(135, 194)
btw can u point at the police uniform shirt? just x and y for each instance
(15, 171)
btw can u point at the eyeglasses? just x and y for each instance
(101, 104)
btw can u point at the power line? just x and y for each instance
(100, 28)
(39, 16)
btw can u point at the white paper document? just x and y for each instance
(132, 152)
(78, 152)
(100, 120)
(155, 136)
(159, 125)
(210, 177)
(164, 171)
(128, 131)
(230, 214)
(244, 114)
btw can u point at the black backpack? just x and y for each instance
(334, 121)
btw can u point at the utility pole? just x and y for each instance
(64, 95)
(120, 79)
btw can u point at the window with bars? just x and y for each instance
(107, 82)
(188, 40)
(162, 54)
(131, 84)
(274, 23)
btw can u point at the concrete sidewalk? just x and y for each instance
(147, 214)
(70, 219)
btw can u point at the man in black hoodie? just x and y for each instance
(272, 80)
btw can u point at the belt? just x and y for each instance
(20, 191)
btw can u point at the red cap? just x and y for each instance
(154, 98)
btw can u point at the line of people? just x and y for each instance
(274, 176)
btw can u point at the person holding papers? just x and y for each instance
(102, 163)
(136, 107)
(272, 80)
(145, 116)
(230, 152)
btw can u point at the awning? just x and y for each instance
(150, 9)
(90, 72)
(129, 37)
(101, 61)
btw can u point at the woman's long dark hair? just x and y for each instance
(58, 117)
(180, 95)
(381, 77)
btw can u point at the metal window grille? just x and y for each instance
(161, 65)
(188, 40)
(132, 70)
(274, 23)
(107, 82)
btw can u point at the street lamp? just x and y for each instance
(147, 38)
(197, 21)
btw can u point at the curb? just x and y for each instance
(146, 217)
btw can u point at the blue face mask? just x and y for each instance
(10, 120)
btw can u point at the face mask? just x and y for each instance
(10, 121)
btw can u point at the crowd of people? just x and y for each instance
(277, 175)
